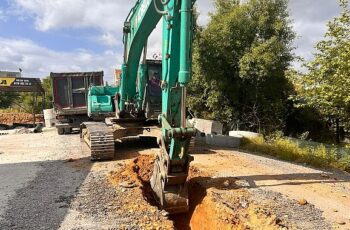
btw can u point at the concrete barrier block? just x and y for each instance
(245, 134)
(207, 126)
(223, 141)
(200, 137)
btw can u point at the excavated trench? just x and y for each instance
(219, 203)
(214, 203)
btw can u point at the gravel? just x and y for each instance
(43, 203)
(49, 183)
(306, 216)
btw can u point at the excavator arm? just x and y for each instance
(172, 163)
(138, 26)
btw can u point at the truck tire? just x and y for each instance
(60, 131)
(68, 130)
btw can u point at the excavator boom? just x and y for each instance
(131, 101)
(172, 162)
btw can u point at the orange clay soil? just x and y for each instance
(208, 210)
(23, 118)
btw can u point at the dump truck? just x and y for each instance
(70, 92)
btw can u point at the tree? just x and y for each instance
(239, 67)
(25, 101)
(7, 99)
(327, 83)
(47, 85)
(28, 102)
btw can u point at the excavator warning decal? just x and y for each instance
(6, 81)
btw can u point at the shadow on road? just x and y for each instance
(129, 148)
(289, 179)
(292, 179)
(43, 203)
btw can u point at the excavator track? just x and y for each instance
(99, 139)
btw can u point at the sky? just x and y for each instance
(43, 36)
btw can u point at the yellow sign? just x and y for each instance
(6, 81)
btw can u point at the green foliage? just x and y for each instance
(282, 148)
(239, 67)
(25, 101)
(326, 86)
(344, 163)
(47, 85)
(307, 123)
(7, 99)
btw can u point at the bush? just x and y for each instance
(344, 163)
(286, 149)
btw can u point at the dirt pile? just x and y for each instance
(215, 202)
(209, 208)
(223, 203)
(136, 174)
(133, 180)
(214, 212)
(22, 118)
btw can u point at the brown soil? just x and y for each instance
(208, 209)
(137, 173)
(228, 189)
(23, 118)
(323, 191)
(222, 204)
(134, 179)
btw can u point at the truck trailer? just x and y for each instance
(70, 91)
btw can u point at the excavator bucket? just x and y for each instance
(171, 192)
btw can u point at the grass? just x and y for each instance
(11, 110)
(285, 149)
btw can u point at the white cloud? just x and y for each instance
(107, 16)
(2, 15)
(204, 8)
(109, 39)
(38, 61)
(309, 22)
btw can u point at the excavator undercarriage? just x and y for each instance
(145, 84)
(99, 139)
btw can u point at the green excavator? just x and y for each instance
(150, 89)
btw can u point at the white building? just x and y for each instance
(10, 74)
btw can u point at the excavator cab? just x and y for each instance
(153, 92)
(101, 102)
